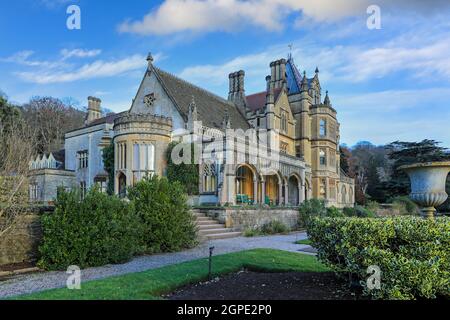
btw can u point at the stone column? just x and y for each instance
(280, 194)
(286, 193)
(263, 192)
(255, 191)
(301, 193)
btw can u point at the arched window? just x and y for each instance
(209, 178)
(344, 194)
(143, 160)
(322, 157)
(323, 128)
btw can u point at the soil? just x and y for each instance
(247, 285)
(16, 266)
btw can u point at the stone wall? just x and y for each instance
(241, 218)
(20, 243)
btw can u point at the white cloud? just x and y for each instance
(79, 53)
(59, 71)
(24, 58)
(96, 69)
(174, 16)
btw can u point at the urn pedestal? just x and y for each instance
(428, 185)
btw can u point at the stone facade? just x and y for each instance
(298, 129)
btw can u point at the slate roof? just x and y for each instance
(294, 78)
(109, 118)
(211, 109)
(258, 100)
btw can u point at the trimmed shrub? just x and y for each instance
(98, 230)
(412, 253)
(167, 221)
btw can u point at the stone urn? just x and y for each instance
(428, 185)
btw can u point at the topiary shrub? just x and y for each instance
(95, 231)
(167, 221)
(412, 253)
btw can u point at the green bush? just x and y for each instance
(358, 211)
(274, 227)
(98, 230)
(167, 221)
(411, 252)
(372, 206)
(405, 205)
(311, 208)
(349, 212)
(334, 212)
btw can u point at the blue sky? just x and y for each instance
(387, 84)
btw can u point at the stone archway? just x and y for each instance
(245, 186)
(307, 188)
(344, 194)
(122, 179)
(293, 188)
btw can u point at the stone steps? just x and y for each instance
(210, 229)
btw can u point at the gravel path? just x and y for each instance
(35, 282)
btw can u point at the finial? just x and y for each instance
(150, 57)
(327, 101)
(304, 73)
(317, 69)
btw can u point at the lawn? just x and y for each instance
(152, 283)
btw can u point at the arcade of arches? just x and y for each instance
(271, 189)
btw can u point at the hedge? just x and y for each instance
(103, 229)
(412, 253)
(162, 208)
(95, 231)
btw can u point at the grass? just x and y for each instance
(152, 284)
(304, 241)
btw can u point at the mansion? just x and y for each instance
(291, 118)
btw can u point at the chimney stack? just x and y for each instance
(278, 73)
(94, 111)
(237, 90)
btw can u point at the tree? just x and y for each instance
(108, 163)
(405, 153)
(51, 119)
(186, 174)
(17, 145)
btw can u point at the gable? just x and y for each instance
(162, 103)
(282, 103)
